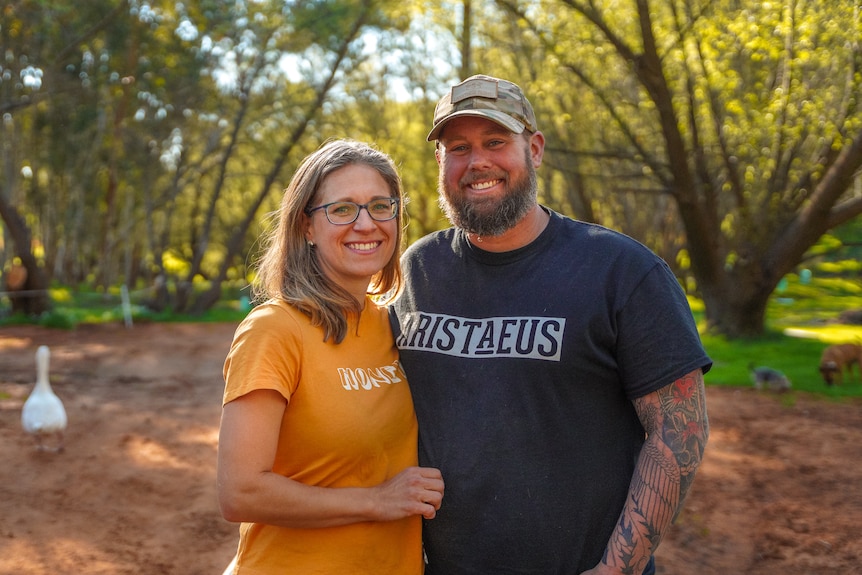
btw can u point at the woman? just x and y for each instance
(317, 447)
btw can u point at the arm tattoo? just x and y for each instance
(675, 420)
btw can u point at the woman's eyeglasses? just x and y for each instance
(343, 213)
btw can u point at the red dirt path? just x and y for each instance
(780, 490)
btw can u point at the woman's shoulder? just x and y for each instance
(272, 309)
(275, 314)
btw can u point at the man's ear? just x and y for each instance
(537, 148)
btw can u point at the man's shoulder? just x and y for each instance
(600, 235)
(434, 241)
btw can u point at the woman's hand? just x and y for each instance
(414, 491)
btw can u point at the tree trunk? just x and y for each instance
(34, 300)
(736, 308)
(466, 43)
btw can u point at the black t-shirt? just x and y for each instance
(522, 367)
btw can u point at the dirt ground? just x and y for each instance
(133, 492)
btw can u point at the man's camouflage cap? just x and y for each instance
(498, 100)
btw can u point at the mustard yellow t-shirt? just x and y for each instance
(349, 422)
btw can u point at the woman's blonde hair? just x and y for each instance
(289, 269)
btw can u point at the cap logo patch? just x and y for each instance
(474, 88)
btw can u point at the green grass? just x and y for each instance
(800, 324)
(75, 307)
(797, 358)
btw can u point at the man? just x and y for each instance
(556, 370)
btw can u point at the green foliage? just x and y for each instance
(842, 267)
(714, 129)
(74, 307)
(161, 129)
(57, 318)
(230, 312)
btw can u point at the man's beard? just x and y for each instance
(490, 217)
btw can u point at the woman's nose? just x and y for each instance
(364, 220)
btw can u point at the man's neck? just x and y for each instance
(521, 234)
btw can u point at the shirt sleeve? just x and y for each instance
(658, 339)
(265, 354)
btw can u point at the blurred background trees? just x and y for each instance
(144, 143)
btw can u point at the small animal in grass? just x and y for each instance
(836, 359)
(768, 378)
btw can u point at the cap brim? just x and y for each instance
(501, 118)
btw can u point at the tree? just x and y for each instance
(38, 40)
(158, 131)
(331, 27)
(342, 28)
(743, 113)
(82, 131)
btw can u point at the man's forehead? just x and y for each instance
(472, 125)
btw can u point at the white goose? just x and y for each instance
(43, 414)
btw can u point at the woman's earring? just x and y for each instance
(310, 244)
